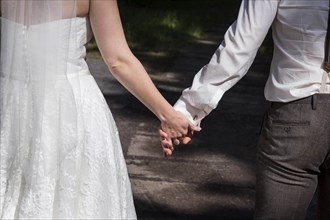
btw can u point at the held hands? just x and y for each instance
(174, 130)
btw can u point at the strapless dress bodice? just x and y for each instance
(58, 46)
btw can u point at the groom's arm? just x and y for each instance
(231, 60)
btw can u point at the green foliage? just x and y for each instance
(165, 25)
(161, 27)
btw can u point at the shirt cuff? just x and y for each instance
(194, 114)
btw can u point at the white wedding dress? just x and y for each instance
(91, 179)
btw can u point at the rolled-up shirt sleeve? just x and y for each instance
(231, 60)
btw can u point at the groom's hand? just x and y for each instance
(187, 138)
(166, 143)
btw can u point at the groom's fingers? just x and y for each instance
(193, 127)
(176, 141)
(167, 152)
(167, 144)
(167, 147)
(186, 140)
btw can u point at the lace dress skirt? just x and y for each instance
(90, 180)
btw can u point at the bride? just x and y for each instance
(61, 156)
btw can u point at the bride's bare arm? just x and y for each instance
(127, 69)
(82, 8)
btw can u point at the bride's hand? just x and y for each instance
(177, 125)
(175, 129)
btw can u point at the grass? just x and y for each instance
(156, 30)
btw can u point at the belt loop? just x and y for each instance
(314, 102)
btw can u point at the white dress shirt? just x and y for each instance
(299, 30)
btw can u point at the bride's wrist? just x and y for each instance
(166, 115)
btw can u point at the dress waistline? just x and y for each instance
(26, 78)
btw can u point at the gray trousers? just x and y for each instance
(293, 159)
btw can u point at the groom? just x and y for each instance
(294, 145)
